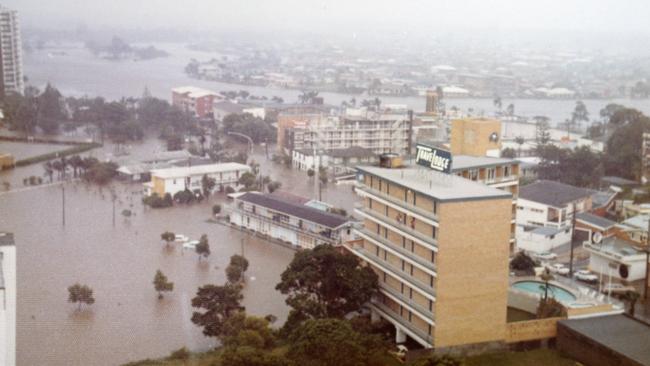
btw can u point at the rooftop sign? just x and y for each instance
(433, 158)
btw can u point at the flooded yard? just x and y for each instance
(127, 321)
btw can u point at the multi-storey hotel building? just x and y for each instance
(436, 241)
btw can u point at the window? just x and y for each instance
(473, 174)
(433, 256)
(506, 171)
(491, 174)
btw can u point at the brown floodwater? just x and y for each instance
(127, 321)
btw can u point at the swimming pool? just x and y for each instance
(537, 287)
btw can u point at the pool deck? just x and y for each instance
(586, 297)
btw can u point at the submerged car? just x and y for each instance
(191, 244)
(180, 238)
(546, 256)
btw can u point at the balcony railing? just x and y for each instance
(392, 247)
(424, 313)
(404, 204)
(400, 228)
(313, 234)
(388, 312)
(394, 271)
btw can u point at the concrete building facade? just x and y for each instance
(7, 299)
(199, 102)
(476, 137)
(11, 58)
(443, 277)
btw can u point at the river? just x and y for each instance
(79, 73)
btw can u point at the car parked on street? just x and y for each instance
(180, 238)
(586, 276)
(559, 268)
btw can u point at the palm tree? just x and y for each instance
(510, 110)
(546, 276)
(49, 170)
(497, 102)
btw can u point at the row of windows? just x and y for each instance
(407, 193)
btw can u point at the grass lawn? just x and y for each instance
(545, 357)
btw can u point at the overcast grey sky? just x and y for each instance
(341, 15)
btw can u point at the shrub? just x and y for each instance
(230, 190)
(155, 201)
(180, 354)
(522, 262)
(216, 209)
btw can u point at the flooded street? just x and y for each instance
(127, 321)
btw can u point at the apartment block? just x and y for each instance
(500, 173)
(11, 59)
(436, 241)
(382, 132)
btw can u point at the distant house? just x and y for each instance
(177, 179)
(297, 224)
(6, 161)
(590, 227)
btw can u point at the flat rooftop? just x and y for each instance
(553, 193)
(619, 333)
(462, 162)
(443, 187)
(178, 172)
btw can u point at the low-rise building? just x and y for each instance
(298, 224)
(549, 204)
(339, 160)
(177, 179)
(618, 258)
(6, 161)
(590, 227)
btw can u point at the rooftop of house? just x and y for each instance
(618, 181)
(552, 193)
(594, 220)
(619, 333)
(229, 107)
(443, 187)
(618, 248)
(638, 221)
(301, 211)
(168, 155)
(193, 91)
(463, 162)
(179, 172)
(6, 238)
(290, 197)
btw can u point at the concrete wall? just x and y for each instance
(472, 284)
(472, 136)
(531, 330)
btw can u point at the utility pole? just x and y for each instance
(573, 229)
(63, 202)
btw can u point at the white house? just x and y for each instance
(551, 205)
(177, 179)
(297, 224)
(618, 258)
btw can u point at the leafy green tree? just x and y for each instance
(218, 303)
(608, 112)
(579, 115)
(203, 248)
(323, 283)
(235, 270)
(273, 186)
(623, 148)
(249, 181)
(50, 109)
(324, 342)
(80, 294)
(509, 152)
(162, 284)
(542, 127)
(216, 209)
(168, 237)
(207, 184)
(523, 262)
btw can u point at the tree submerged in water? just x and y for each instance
(80, 294)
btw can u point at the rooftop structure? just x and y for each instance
(197, 101)
(476, 137)
(552, 193)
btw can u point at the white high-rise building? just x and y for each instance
(11, 59)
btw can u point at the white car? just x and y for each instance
(546, 256)
(191, 244)
(180, 238)
(586, 276)
(559, 268)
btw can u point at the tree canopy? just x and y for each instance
(80, 294)
(323, 283)
(218, 304)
